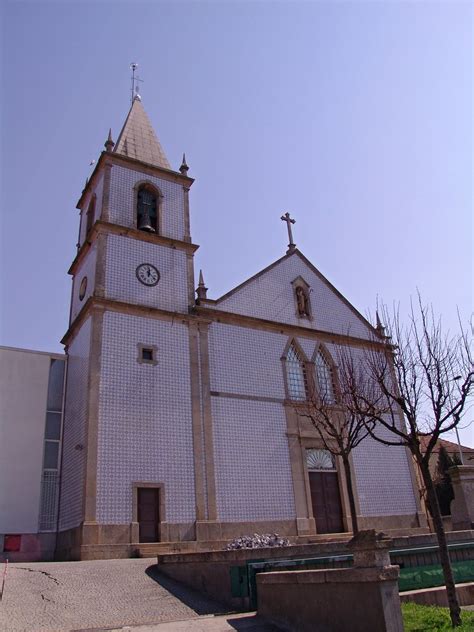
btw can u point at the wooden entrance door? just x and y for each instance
(326, 500)
(148, 503)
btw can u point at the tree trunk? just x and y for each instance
(454, 609)
(350, 491)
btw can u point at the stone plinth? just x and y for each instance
(370, 549)
(360, 599)
(462, 507)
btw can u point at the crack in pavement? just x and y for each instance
(34, 570)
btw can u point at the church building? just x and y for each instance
(181, 420)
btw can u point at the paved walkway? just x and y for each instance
(247, 622)
(66, 596)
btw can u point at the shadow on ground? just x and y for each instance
(200, 603)
(251, 623)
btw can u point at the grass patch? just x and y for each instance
(423, 618)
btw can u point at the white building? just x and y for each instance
(31, 403)
(181, 415)
(180, 419)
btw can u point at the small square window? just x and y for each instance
(147, 354)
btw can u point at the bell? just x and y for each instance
(145, 223)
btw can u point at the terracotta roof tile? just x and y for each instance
(449, 445)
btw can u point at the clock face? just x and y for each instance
(82, 288)
(147, 274)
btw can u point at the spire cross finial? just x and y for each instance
(286, 218)
(135, 79)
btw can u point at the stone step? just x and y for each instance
(152, 549)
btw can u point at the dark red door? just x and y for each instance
(326, 500)
(148, 514)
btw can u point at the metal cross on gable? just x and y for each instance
(286, 218)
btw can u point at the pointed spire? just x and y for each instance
(201, 288)
(379, 327)
(184, 167)
(109, 143)
(138, 139)
(85, 186)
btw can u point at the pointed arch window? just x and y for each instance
(324, 376)
(90, 215)
(296, 374)
(147, 210)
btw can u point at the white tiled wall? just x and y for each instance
(125, 254)
(145, 428)
(383, 479)
(122, 201)
(253, 475)
(74, 436)
(246, 361)
(271, 297)
(382, 473)
(87, 269)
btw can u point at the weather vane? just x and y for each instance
(135, 80)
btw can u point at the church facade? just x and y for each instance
(181, 415)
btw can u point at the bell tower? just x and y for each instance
(134, 209)
(128, 398)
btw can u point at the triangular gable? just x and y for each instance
(270, 295)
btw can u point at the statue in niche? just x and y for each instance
(302, 301)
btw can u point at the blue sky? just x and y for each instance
(356, 117)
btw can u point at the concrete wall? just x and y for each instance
(23, 395)
(355, 599)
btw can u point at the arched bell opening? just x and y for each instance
(147, 208)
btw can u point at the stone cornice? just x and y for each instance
(101, 227)
(208, 316)
(105, 304)
(252, 322)
(137, 165)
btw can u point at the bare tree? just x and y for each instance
(419, 386)
(340, 427)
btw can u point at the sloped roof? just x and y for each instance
(138, 139)
(448, 445)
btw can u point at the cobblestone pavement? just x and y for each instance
(65, 596)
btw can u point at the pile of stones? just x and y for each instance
(257, 541)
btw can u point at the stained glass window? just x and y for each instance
(296, 374)
(324, 377)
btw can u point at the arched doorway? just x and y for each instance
(324, 488)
